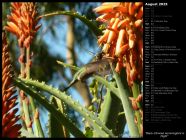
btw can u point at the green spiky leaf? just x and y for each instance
(51, 108)
(89, 23)
(98, 125)
(110, 109)
(124, 93)
(59, 131)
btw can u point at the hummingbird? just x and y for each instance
(99, 66)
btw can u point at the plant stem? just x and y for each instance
(136, 92)
(28, 62)
(38, 128)
(27, 115)
(22, 113)
(36, 120)
(124, 96)
(25, 106)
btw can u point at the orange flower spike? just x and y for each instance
(9, 111)
(139, 15)
(118, 44)
(120, 41)
(22, 21)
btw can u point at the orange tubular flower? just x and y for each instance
(123, 37)
(9, 127)
(22, 22)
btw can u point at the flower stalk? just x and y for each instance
(124, 96)
(137, 99)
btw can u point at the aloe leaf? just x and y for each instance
(51, 108)
(67, 65)
(60, 130)
(110, 109)
(89, 23)
(98, 125)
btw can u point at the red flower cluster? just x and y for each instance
(9, 127)
(123, 37)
